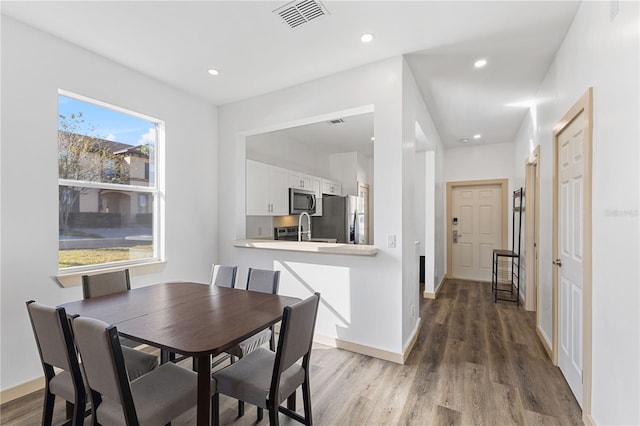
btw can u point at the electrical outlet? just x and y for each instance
(259, 230)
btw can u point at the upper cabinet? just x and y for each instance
(300, 181)
(331, 188)
(267, 190)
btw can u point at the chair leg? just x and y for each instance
(306, 401)
(47, 409)
(260, 414)
(78, 412)
(215, 409)
(272, 341)
(291, 401)
(69, 409)
(273, 414)
(240, 408)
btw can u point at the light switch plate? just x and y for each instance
(391, 240)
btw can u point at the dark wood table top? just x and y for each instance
(187, 318)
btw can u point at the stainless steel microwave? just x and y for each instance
(301, 201)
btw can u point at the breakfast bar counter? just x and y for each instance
(309, 246)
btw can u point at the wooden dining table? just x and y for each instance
(187, 318)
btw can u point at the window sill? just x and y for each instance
(74, 279)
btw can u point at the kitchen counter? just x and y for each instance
(309, 246)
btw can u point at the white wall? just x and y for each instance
(34, 67)
(425, 215)
(343, 168)
(476, 162)
(364, 173)
(479, 162)
(373, 285)
(604, 54)
(440, 255)
(421, 202)
(277, 149)
(416, 124)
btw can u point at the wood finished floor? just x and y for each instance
(475, 362)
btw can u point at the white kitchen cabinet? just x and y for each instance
(267, 190)
(300, 181)
(331, 188)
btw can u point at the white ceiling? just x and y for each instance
(256, 53)
(353, 134)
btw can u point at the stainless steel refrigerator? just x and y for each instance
(343, 218)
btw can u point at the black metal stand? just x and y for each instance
(505, 277)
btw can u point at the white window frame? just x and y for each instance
(157, 192)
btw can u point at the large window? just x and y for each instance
(109, 208)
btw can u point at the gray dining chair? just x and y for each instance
(265, 378)
(54, 339)
(55, 346)
(153, 399)
(116, 282)
(264, 281)
(106, 283)
(224, 276)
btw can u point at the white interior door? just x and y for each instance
(570, 252)
(476, 219)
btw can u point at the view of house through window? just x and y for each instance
(107, 184)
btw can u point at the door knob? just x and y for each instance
(557, 262)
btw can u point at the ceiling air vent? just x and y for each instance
(336, 121)
(297, 13)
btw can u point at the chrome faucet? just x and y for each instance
(308, 231)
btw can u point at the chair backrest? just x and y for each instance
(224, 276)
(107, 283)
(55, 341)
(103, 362)
(296, 337)
(263, 280)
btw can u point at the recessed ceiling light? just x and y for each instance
(465, 140)
(213, 71)
(366, 38)
(478, 136)
(373, 138)
(480, 63)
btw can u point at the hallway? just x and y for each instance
(482, 363)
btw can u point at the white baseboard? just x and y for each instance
(429, 295)
(588, 420)
(398, 358)
(22, 390)
(543, 338)
(412, 340)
